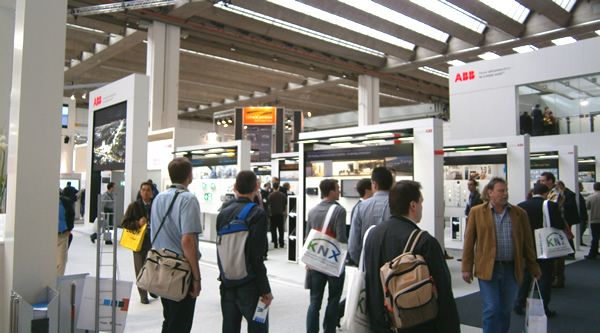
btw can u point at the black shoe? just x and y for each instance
(145, 300)
(459, 259)
(93, 237)
(550, 313)
(108, 242)
(570, 257)
(153, 295)
(265, 258)
(590, 257)
(583, 244)
(519, 310)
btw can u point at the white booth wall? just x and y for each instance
(486, 104)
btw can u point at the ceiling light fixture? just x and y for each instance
(73, 96)
(84, 96)
(275, 58)
(232, 48)
(219, 122)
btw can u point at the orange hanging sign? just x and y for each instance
(259, 115)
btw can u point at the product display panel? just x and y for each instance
(539, 166)
(110, 126)
(65, 116)
(458, 170)
(323, 164)
(349, 188)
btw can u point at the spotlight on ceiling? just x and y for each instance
(230, 120)
(219, 122)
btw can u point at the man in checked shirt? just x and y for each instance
(498, 243)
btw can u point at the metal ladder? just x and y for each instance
(106, 258)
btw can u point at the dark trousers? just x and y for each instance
(241, 302)
(138, 261)
(595, 228)
(277, 224)
(178, 315)
(545, 283)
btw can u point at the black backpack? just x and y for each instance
(233, 259)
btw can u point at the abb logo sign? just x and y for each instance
(97, 100)
(465, 76)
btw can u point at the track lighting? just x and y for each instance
(230, 121)
(84, 96)
(219, 122)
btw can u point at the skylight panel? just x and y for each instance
(453, 13)
(566, 4)
(510, 8)
(397, 18)
(456, 62)
(525, 49)
(434, 71)
(489, 56)
(564, 41)
(296, 28)
(343, 22)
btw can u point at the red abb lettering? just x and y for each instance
(465, 76)
(97, 100)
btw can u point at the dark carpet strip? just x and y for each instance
(577, 305)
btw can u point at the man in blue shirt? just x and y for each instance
(179, 234)
(371, 211)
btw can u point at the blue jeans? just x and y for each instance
(498, 296)
(317, 290)
(238, 302)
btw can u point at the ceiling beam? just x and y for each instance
(375, 22)
(491, 16)
(437, 21)
(549, 9)
(104, 53)
(323, 27)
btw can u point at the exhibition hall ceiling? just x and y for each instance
(308, 54)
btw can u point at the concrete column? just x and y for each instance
(162, 66)
(34, 149)
(428, 166)
(368, 100)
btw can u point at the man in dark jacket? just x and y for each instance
(241, 301)
(537, 119)
(570, 211)
(387, 240)
(534, 208)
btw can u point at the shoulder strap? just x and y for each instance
(412, 242)
(167, 214)
(328, 217)
(546, 213)
(244, 213)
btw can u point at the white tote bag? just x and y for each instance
(551, 242)
(535, 320)
(322, 252)
(356, 318)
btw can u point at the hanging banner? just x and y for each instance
(259, 116)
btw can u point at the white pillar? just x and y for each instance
(34, 149)
(368, 100)
(517, 168)
(428, 166)
(568, 169)
(162, 66)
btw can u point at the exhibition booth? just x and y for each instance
(413, 148)
(481, 160)
(214, 167)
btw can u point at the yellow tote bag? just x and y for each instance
(133, 240)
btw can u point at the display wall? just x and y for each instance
(115, 140)
(427, 161)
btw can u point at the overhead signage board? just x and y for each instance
(259, 115)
